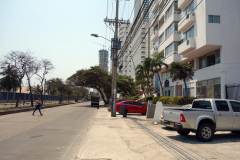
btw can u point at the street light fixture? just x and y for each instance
(96, 35)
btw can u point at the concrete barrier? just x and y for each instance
(150, 109)
(158, 111)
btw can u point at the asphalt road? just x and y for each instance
(56, 135)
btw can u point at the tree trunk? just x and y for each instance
(20, 93)
(68, 99)
(143, 90)
(60, 101)
(99, 90)
(149, 90)
(185, 84)
(160, 84)
(31, 96)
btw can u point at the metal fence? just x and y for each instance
(8, 97)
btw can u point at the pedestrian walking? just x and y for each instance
(38, 105)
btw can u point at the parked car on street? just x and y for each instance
(204, 117)
(121, 100)
(132, 107)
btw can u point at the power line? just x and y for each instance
(166, 3)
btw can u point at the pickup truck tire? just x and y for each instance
(205, 132)
(236, 132)
(183, 132)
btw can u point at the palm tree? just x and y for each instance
(181, 71)
(143, 71)
(37, 89)
(10, 79)
(156, 67)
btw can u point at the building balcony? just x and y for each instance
(186, 46)
(186, 22)
(173, 57)
(155, 6)
(154, 36)
(154, 51)
(154, 21)
(174, 17)
(183, 3)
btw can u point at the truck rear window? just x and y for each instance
(202, 104)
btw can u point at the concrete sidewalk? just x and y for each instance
(118, 138)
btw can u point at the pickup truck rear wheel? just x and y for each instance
(236, 132)
(183, 132)
(205, 132)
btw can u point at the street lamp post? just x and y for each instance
(113, 111)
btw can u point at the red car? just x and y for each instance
(121, 100)
(132, 107)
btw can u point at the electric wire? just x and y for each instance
(157, 19)
(166, 3)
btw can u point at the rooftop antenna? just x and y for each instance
(100, 44)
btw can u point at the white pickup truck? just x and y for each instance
(204, 117)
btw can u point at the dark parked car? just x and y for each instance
(132, 107)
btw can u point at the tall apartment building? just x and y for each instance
(204, 33)
(139, 48)
(103, 59)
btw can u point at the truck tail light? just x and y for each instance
(182, 118)
(163, 114)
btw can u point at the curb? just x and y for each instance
(30, 109)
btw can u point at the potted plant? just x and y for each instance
(109, 108)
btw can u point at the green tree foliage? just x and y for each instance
(126, 86)
(9, 81)
(156, 66)
(144, 72)
(95, 77)
(37, 89)
(181, 71)
(59, 85)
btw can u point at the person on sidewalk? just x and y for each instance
(38, 105)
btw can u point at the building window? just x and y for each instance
(169, 11)
(125, 70)
(210, 88)
(171, 48)
(171, 29)
(188, 34)
(155, 43)
(214, 19)
(129, 70)
(209, 59)
(142, 56)
(161, 38)
(129, 66)
(188, 9)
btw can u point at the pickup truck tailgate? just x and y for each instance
(172, 115)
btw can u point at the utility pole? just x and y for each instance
(116, 45)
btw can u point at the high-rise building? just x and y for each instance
(140, 45)
(103, 59)
(204, 33)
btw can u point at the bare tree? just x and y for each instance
(19, 60)
(46, 67)
(31, 69)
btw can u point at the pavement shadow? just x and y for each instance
(218, 138)
(168, 129)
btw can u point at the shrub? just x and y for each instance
(174, 100)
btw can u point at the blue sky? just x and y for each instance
(58, 30)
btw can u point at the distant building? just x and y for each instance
(103, 59)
